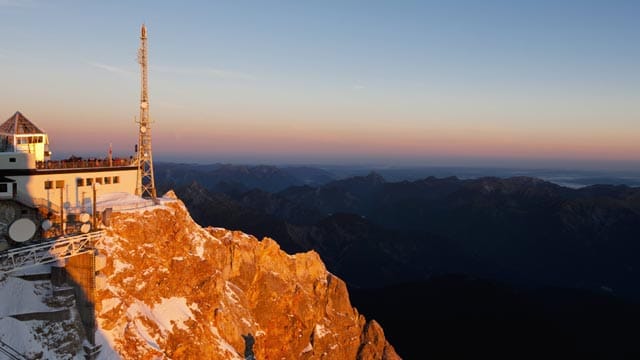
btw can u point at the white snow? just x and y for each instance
(107, 352)
(230, 292)
(225, 346)
(109, 304)
(20, 297)
(173, 309)
(194, 307)
(144, 334)
(165, 314)
(308, 348)
(246, 322)
(199, 242)
(122, 201)
(321, 331)
(17, 334)
(119, 266)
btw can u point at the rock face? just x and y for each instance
(178, 291)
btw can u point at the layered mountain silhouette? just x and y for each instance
(517, 234)
(230, 178)
(515, 229)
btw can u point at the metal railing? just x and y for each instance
(84, 163)
(48, 252)
(37, 202)
(10, 352)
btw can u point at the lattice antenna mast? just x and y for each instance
(145, 184)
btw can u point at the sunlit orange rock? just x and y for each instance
(179, 291)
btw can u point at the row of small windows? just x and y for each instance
(98, 180)
(59, 184)
(29, 139)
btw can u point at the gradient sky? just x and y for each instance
(503, 83)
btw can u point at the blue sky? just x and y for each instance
(424, 82)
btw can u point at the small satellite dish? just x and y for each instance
(143, 129)
(84, 217)
(85, 228)
(144, 105)
(46, 225)
(22, 230)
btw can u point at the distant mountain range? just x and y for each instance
(275, 178)
(228, 177)
(384, 237)
(518, 229)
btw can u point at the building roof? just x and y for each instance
(18, 124)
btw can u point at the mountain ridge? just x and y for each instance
(520, 228)
(289, 305)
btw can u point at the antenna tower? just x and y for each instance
(145, 186)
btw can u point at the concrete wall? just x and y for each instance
(17, 160)
(81, 272)
(44, 188)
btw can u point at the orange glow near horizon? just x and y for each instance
(226, 136)
(248, 134)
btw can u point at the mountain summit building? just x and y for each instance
(39, 192)
(30, 177)
(20, 134)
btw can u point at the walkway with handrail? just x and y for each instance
(79, 163)
(49, 251)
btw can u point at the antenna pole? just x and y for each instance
(145, 186)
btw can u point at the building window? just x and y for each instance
(48, 185)
(107, 180)
(116, 179)
(89, 181)
(59, 184)
(80, 182)
(98, 180)
(12, 159)
(4, 188)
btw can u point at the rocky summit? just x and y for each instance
(175, 290)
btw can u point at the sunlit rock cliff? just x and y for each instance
(175, 290)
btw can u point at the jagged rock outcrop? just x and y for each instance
(178, 291)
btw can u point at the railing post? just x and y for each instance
(93, 207)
